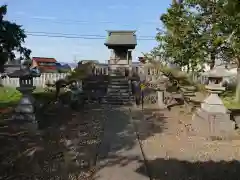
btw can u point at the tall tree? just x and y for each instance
(198, 31)
(230, 15)
(209, 14)
(179, 38)
(12, 37)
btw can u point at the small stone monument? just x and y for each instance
(25, 111)
(213, 118)
(161, 92)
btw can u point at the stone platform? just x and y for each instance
(213, 118)
(212, 123)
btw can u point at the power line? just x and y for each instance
(79, 37)
(69, 21)
(64, 34)
(70, 34)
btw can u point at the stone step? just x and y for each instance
(122, 86)
(119, 82)
(119, 85)
(117, 98)
(117, 77)
(117, 89)
(118, 94)
(123, 90)
(117, 103)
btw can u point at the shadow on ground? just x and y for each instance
(68, 141)
(173, 169)
(153, 122)
(63, 149)
(120, 135)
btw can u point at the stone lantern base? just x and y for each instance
(213, 119)
(212, 124)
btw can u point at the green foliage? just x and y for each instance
(11, 38)
(229, 100)
(177, 42)
(231, 29)
(176, 77)
(198, 31)
(82, 71)
(27, 63)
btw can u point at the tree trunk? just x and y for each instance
(188, 68)
(237, 98)
(212, 60)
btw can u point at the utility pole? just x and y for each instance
(75, 59)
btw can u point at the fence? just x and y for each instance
(39, 82)
(51, 77)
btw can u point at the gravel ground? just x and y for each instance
(175, 153)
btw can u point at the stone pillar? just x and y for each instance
(161, 94)
(160, 99)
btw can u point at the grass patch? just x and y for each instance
(230, 103)
(8, 97)
(228, 98)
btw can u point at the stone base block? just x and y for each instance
(212, 124)
(25, 121)
(24, 117)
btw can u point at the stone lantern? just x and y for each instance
(25, 109)
(213, 118)
(217, 75)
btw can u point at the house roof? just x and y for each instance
(121, 38)
(44, 59)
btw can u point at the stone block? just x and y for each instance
(160, 99)
(212, 124)
(22, 108)
(213, 104)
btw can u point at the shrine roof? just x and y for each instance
(121, 38)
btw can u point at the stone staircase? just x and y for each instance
(118, 90)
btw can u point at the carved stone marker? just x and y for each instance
(161, 92)
(213, 118)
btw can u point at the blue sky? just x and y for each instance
(84, 17)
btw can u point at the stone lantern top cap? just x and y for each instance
(24, 73)
(218, 72)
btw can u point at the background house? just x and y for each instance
(45, 65)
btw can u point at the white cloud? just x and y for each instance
(20, 13)
(118, 6)
(44, 17)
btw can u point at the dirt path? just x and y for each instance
(120, 155)
(175, 153)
